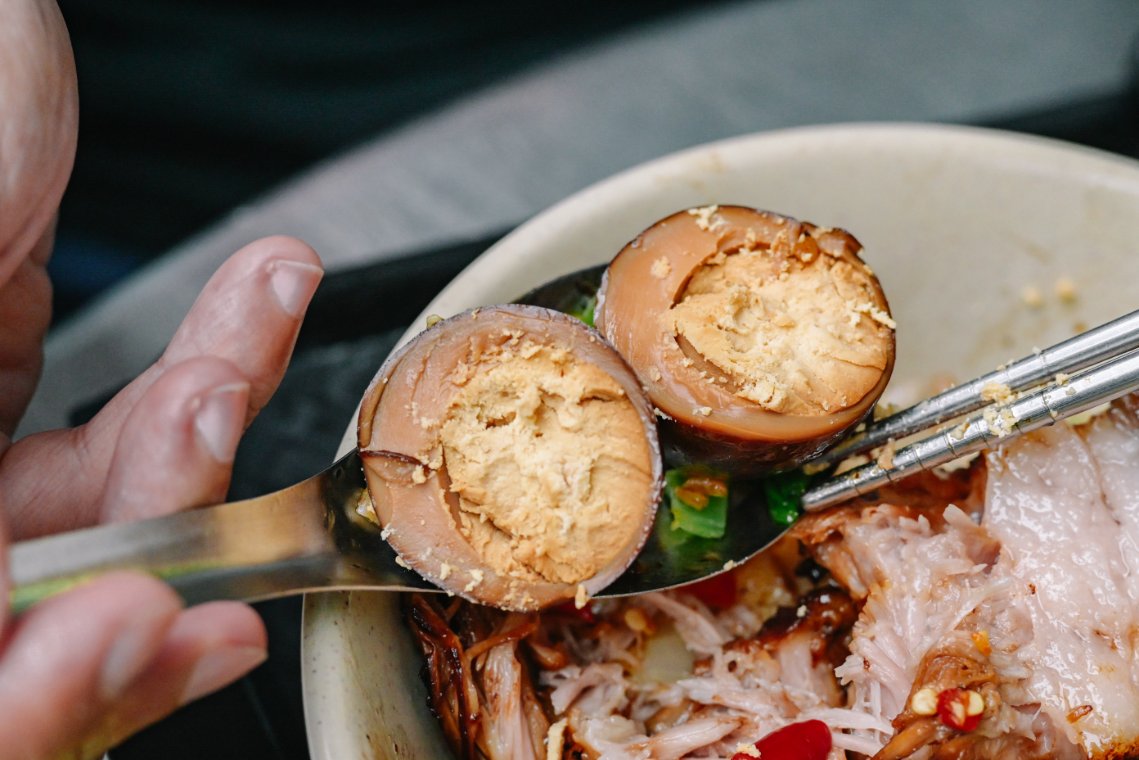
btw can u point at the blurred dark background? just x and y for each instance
(190, 108)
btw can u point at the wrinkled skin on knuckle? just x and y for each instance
(38, 126)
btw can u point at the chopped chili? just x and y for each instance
(718, 592)
(809, 740)
(958, 709)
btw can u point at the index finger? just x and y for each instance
(249, 314)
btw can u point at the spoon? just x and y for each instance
(313, 536)
(310, 536)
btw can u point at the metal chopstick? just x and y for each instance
(1084, 350)
(997, 424)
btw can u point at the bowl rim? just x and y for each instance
(1044, 155)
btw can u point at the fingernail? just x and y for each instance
(293, 284)
(219, 668)
(130, 653)
(219, 419)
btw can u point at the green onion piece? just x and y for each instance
(784, 492)
(583, 308)
(709, 522)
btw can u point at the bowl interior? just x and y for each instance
(987, 244)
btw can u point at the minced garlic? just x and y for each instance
(999, 392)
(704, 216)
(476, 579)
(581, 598)
(885, 458)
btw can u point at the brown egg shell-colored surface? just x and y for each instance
(418, 509)
(735, 434)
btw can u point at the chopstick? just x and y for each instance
(1065, 396)
(1084, 350)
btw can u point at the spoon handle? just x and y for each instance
(998, 424)
(1087, 349)
(305, 537)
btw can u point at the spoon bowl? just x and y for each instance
(314, 535)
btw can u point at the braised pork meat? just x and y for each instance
(986, 613)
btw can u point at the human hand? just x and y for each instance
(81, 671)
(89, 667)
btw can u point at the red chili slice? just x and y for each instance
(952, 710)
(809, 740)
(570, 610)
(718, 592)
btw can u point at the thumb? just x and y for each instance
(83, 670)
(68, 659)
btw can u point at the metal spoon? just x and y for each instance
(309, 537)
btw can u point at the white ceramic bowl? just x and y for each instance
(957, 223)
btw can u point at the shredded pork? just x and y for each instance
(739, 689)
(1016, 580)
